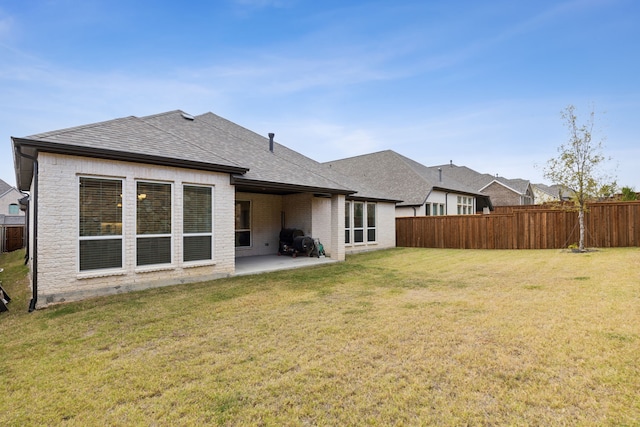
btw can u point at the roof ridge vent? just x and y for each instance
(188, 116)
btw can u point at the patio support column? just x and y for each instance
(336, 251)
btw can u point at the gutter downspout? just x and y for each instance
(26, 237)
(34, 202)
(424, 202)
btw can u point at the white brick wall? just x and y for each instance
(321, 220)
(297, 211)
(385, 230)
(59, 278)
(386, 225)
(335, 248)
(266, 210)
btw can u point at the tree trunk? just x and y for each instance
(581, 222)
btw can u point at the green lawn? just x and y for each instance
(396, 337)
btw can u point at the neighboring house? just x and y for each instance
(509, 192)
(171, 198)
(546, 193)
(422, 191)
(10, 200)
(12, 218)
(502, 191)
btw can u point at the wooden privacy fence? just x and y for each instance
(607, 224)
(11, 238)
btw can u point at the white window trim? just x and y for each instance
(365, 224)
(103, 271)
(353, 223)
(250, 229)
(465, 205)
(200, 262)
(154, 267)
(347, 228)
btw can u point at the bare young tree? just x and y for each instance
(578, 167)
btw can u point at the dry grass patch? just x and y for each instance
(398, 337)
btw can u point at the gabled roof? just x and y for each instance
(546, 190)
(517, 185)
(4, 188)
(205, 142)
(479, 181)
(394, 174)
(556, 191)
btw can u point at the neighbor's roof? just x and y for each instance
(546, 189)
(394, 174)
(518, 185)
(205, 142)
(4, 187)
(12, 220)
(557, 191)
(479, 181)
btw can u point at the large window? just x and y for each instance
(100, 224)
(465, 205)
(435, 209)
(371, 222)
(243, 223)
(359, 222)
(347, 222)
(153, 223)
(197, 223)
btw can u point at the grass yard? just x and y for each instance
(396, 337)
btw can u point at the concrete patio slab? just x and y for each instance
(267, 263)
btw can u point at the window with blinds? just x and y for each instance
(371, 222)
(358, 222)
(347, 222)
(100, 239)
(243, 223)
(197, 223)
(153, 223)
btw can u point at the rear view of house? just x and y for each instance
(171, 198)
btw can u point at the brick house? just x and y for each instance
(172, 198)
(10, 200)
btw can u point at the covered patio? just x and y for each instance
(267, 263)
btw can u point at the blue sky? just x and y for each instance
(481, 83)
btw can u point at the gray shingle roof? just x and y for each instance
(4, 187)
(132, 135)
(9, 220)
(555, 190)
(478, 181)
(398, 176)
(204, 142)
